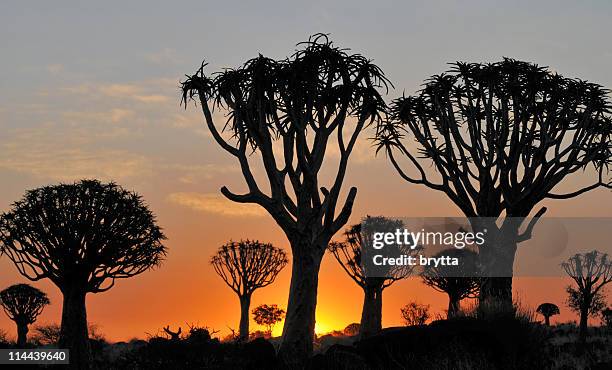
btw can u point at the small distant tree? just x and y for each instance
(245, 266)
(606, 316)
(415, 314)
(591, 272)
(458, 282)
(268, 316)
(351, 255)
(83, 237)
(23, 303)
(547, 310)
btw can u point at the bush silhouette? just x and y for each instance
(317, 97)
(83, 237)
(246, 266)
(23, 303)
(351, 329)
(415, 314)
(268, 316)
(547, 310)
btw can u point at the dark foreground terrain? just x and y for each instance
(464, 343)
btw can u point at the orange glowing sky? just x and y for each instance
(92, 91)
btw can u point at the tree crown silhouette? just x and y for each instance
(300, 101)
(548, 309)
(501, 136)
(23, 303)
(358, 239)
(461, 281)
(87, 233)
(248, 265)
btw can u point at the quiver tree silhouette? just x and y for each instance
(303, 103)
(350, 255)
(500, 137)
(245, 266)
(83, 237)
(23, 303)
(458, 282)
(591, 272)
(268, 316)
(547, 310)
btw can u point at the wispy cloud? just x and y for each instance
(216, 204)
(74, 163)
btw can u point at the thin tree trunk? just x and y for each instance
(584, 325)
(371, 313)
(22, 333)
(298, 330)
(453, 306)
(245, 304)
(547, 320)
(73, 332)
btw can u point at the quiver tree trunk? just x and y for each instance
(22, 333)
(371, 314)
(245, 304)
(73, 332)
(584, 325)
(497, 263)
(547, 320)
(298, 331)
(453, 306)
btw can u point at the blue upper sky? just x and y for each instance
(116, 41)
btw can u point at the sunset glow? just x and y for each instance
(95, 94)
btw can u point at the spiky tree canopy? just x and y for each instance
(248, 265)
(86, 233)
(357, 245)
(302, 103)
(591, 271)
(548, 309)
(23, 303)
(500, 136)
(461, 281)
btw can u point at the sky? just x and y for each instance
(91, 90)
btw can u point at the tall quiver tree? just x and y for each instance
(501, 137)
(591, 272)
(22, 303)
(245, 266)
(83, 237)
(351, 254)
(458, 282)
(304, 103)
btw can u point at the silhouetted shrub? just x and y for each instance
(352, 329)
(415, 314)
